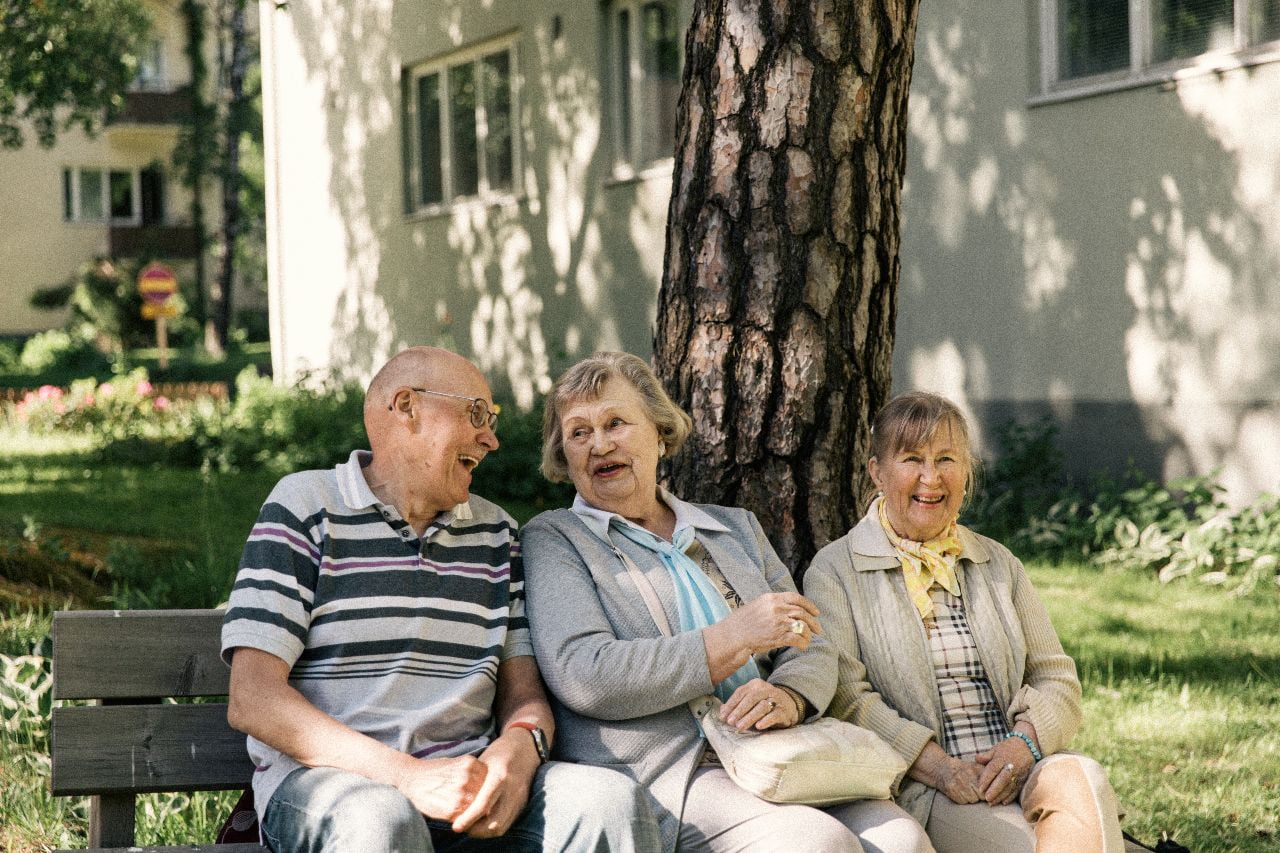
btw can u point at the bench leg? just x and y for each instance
(111, 819)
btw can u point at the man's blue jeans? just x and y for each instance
(572, 807)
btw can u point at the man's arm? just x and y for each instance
(511, 760)
(263, 705)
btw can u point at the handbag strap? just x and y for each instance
(702, 705)
(647, 592)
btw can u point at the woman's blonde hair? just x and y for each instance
(584, 381)
(909, 420)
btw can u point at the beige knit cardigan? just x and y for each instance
(886, 680)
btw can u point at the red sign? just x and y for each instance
(157, 283)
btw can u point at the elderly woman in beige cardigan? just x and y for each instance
(946, 652)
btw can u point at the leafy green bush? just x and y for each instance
(60, 351)
(1184, 528)
(511, 473)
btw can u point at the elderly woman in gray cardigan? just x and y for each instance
(946, 652)
(619, 687)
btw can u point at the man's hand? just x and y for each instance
(511, 762)
(443, 788)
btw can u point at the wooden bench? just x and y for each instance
(134, 743)
(131, 741)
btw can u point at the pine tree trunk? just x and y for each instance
(776, 313)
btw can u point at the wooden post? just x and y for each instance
(162, 341)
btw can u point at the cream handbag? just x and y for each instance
(820, 763)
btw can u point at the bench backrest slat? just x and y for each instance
(131, 654)
(103, 749)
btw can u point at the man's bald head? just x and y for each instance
(416, 367)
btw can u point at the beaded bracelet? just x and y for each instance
(1035, 750)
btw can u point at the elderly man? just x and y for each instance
(380, 659)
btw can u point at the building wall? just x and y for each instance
(524, 285)
(1108, 261)
(1112, 261)
(38, 248)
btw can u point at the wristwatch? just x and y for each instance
(539, 739)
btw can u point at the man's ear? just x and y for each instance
(873, 468)
(402, 402)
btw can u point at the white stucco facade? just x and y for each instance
(1107, 255)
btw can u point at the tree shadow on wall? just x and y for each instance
(1079, 255)
(521, 286)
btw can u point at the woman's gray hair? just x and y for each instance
(584, 381)
(909, 421)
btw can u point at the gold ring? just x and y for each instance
(772, 704)
(797, 626)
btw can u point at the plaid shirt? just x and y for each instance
(972, 719)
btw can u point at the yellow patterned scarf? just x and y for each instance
(925, 563)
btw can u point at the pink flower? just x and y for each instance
(85, 402)
(161, 403)
(106, 389)
(49, 392)
(60, 408)
(143, 388)
(29, 398)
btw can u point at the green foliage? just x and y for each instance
(58, 351)
(106, 308)
(284, 429)
(65, 63)
(510, 475)
(1184, 528)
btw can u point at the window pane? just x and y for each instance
(1093, 37)
(152, 180)
(462, 117)
(660, 63)
(622, 73)
(121, 195)
(430, 181)
(1183, 28)
(1264, 21)
(91, 209)
(68, 200)
(498, 152)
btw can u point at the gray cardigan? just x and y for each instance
(886, 679)
(618, 686)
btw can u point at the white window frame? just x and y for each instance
(629, 160)
(135, 218)
(443, 65)
(1142, 69)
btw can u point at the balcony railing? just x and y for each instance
(161, 241)
(155, 108)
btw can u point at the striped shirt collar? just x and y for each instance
(357, 494)
(687, 515)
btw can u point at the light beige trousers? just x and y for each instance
(720, 817)
(1067, 806)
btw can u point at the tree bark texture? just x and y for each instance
(776, 313)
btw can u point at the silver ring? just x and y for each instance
(772, 704)
(797, 626)
(1009, 767)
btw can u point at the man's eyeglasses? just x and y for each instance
(481, 415)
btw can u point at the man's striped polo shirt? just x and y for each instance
(398, 637)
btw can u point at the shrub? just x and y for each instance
(1184, 528)
(60, 351)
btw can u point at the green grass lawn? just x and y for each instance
(1181, 699)
(1181, 682)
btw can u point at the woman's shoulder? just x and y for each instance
(548, 521)
(984, 549)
